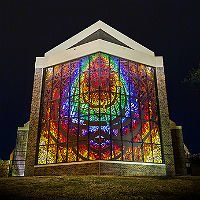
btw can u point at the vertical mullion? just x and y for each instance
(40, 114)
(50, 112)
(140, 113)
(77, 158)
(149, 114)
(120, 106)
(111, 142)
(68, 117)
(89, 111)
(60, 86)
(99, 76)
(130, 98)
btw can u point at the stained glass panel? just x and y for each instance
(127, 151)
(51, 154)
(138, 152)
(42, 155)
(99, 107)
(62, 153)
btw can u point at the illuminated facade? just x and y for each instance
(99, 102)
(99, 107)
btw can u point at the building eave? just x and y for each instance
(98, 46)
(93, 28)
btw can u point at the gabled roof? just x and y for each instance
(99, 30)
(100, 34)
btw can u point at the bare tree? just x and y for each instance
(193, 78)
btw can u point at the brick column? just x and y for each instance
(34, 121)
(165, 123)
(178, 149)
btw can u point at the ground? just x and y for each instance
(99, 187)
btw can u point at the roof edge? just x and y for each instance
(99, 46)
(93, 28)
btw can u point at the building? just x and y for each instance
(180, 151)
(99, 107)
(18, 155)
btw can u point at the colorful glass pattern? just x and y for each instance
(99, 107)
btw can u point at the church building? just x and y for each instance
(99, 107)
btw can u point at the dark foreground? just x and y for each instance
(103, 187)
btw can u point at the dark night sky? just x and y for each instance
(27, 30)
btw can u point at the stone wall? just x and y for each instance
(34, 121)
(166, 139)
(19, 153)
(116, 168)
(178, 150)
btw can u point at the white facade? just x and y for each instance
(70, 49)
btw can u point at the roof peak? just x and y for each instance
(88, 35)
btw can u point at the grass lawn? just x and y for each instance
(99, 187)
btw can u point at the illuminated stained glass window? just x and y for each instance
(99, 107)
